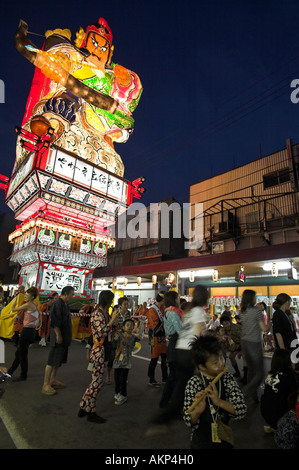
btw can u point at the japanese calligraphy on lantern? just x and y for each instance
(83, 173)
(64, 165)
(78, 171)
(56, 280)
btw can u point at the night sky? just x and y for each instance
(216, 76)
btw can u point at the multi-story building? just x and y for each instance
(250, 224)
(132, 264)
(252, 205)
(249, 232)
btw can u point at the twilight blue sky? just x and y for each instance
(216, 78)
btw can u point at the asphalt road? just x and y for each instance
(31, 420)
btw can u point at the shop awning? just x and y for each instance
(253, 256)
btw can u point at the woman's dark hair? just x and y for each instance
(105, 298)
(32, 291)
(170, 299)
(225, 318)
(280, 300)
(264, 305)
(200, 297)
(247, 299)
(205, 346)
(281, 361)
(185, 306)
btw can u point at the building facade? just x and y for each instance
(252, 205)
(143, 240)
(249, 236)
(250, 229)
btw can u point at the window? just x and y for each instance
(276, 177)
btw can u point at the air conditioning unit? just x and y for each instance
(217, 247)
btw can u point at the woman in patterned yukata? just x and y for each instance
(101, 326)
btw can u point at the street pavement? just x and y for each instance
(31, 420)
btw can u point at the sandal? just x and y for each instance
(58, 385)
(48, 391)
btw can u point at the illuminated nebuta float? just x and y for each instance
(67, 184)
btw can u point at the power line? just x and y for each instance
(269, 167)
(179, 130)
(223, 124)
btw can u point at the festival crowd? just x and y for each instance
(194, 349)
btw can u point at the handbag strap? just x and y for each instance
(119, 351)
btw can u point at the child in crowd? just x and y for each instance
(231, 341)
(224, 400)
(287, 435)
(279, 383)
(122, 361)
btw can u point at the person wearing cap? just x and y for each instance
(157, 340)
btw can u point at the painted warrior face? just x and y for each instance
(99, 49)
